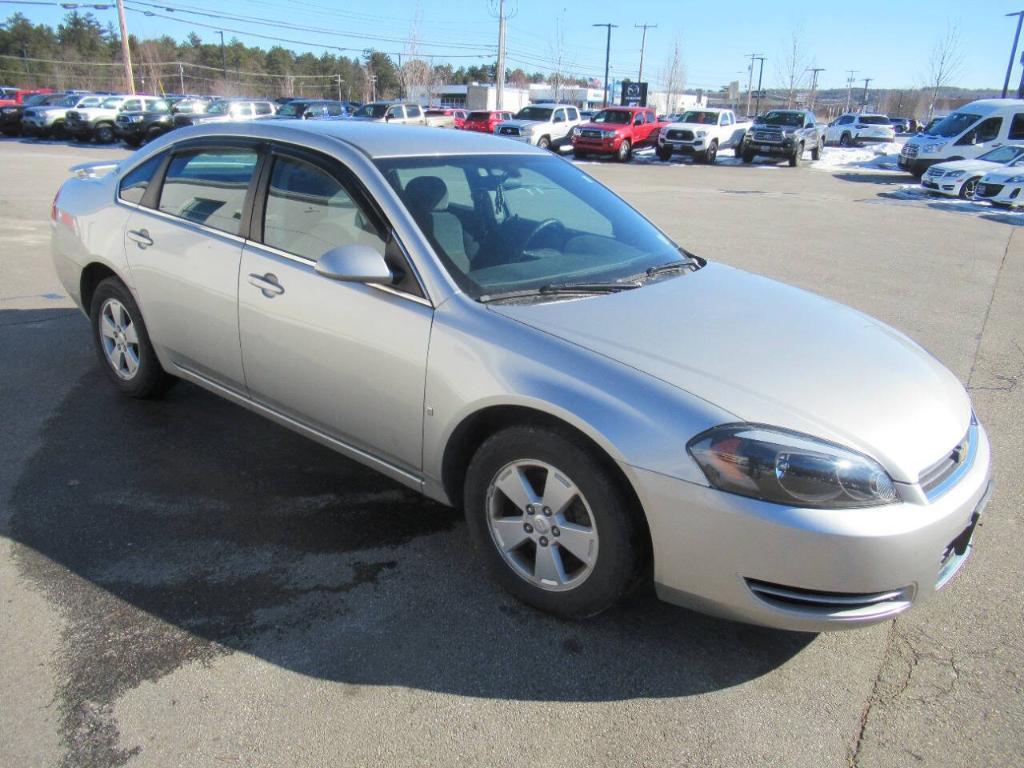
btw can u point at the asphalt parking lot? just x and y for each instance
(185, 584)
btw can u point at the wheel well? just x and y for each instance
(475, 429)
(92, 276)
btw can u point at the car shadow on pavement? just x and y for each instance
(178, 530)
(875, 177)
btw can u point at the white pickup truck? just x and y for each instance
(702, 133)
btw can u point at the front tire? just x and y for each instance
(846, 140)
(625, 151)
(664, 154)
(711, 153)
(105, 134)
(797, 156)
(579, 154)
(967, 190)
(122, 342)
(816, 152)
(544, 143)
(552, 524)
(748, 156)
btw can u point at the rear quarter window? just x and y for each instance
(135, 183)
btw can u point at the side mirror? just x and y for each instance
(355, 263)
(974, 138)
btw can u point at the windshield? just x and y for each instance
(543, 114)
(113, 103)
(507, 223)
(38, 98)
(954, 125)
(219, 108)
(706, 118)
(1003, 155)
(292, 109)
(376, 111)
(873, 120)
(616, 116)
(482, 116)
(776, 117)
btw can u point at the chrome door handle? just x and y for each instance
(141, 237)
(267, 283)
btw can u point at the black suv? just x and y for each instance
(136, 127)
(784, 133)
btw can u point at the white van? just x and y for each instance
(972, 130)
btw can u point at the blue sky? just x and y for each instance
(889, 42)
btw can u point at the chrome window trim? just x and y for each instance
(188, 224)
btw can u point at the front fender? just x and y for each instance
(479, 359)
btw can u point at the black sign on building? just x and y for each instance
(634, 95)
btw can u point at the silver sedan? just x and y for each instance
(483, 322)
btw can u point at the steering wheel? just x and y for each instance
(543, 226)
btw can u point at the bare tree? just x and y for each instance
(416, 73)
(673, 76)
(792, 65)
(945, 64)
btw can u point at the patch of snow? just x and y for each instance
(874, 157)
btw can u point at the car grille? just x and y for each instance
(909, 152)
(508, 131)
(831, 604)
(937, 478)
(768, 137)
(680, 135)
(935, 172)
(591, 133)
(988, 190)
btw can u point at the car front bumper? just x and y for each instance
(597, 146)
(807, 570)
(943, 186)
(682, 147)
(1009, 195)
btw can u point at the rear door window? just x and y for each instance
(413, 110)
(209, 187)
(1017, 127)
(264, 108)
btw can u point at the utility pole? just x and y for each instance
(126, 52)
(607, 57)
(864, 98)
(181, 77)
(499, 75)
(339, 81)
(760, 76)
(643, 45)
(1013, 51)
(223, 57)
(750, 80)
(814, 83)
(849, 87)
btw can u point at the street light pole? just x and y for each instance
(607, 57)
(1013, 52)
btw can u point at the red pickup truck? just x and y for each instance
(616, 131)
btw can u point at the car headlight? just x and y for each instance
(9, 110)
(789, 468)
(954, 174)
(932, 148)
(526, 130)
(701, 134)
(576, 131)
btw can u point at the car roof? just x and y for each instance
(375, 140)
(985, 106)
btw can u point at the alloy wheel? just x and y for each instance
(119, 338)
(542, 525)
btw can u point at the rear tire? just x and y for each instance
(122, 342)
(533, 554)
(105, 134)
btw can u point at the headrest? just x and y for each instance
(427, 193)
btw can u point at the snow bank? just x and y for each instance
(874, 157)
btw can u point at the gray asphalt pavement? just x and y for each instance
(185, 584)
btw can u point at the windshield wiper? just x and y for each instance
(557, 289)
(672, 266)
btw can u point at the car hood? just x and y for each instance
(691, 126)
(90, 112)
(967, 165)
(772, 354)
(1003, 175)
(522, 123)
(609, 127)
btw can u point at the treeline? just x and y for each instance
(84, 53)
